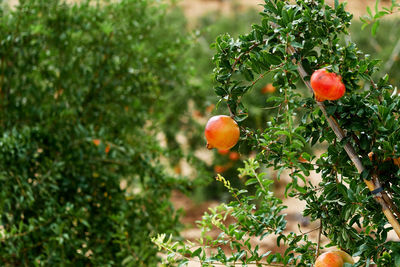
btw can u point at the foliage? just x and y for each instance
(207, 28)
(385, 46)
(293, 38)
(84, 92)
(375, 19)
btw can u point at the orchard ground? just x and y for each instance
(197, 8)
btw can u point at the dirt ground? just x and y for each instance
(196, 8)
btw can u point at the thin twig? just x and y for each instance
(319, 239)
(312, 230)
(259, 181)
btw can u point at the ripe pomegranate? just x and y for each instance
(327, 85)
(269, 88)
(234, 156)
(372, 157)
(222, 132)
(96, 142)
(107, 149)
(329, 259)
(345, 257)
(223, 151)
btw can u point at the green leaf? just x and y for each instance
(271, 59)
(375, 27)
(197, 252)
(336, 4)
(251, 181)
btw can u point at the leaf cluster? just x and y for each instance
(305, 36)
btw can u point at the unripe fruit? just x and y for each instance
(329, 259)
(327, 85)
(222, 132)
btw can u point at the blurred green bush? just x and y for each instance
(85, 91)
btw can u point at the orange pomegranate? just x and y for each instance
(221, 132)
(96, 142)
(234, 156)
(107, 149)
(329, 259)
(372, 157)
(327, 85)
(269, 88)
(223, 151)
(345, 257)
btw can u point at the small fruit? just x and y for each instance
(219, 169)
(107, 149)
(372, 157)
(221, 132)
(223, 151)
(269, 88)
(327, 85)
(96, 142)
(234, 156)
(329, 259)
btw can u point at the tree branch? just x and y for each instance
(371, 184)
